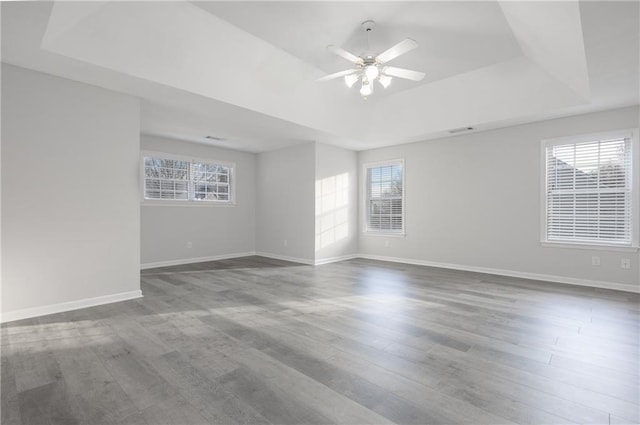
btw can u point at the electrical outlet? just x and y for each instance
(286, 242)
(625, 263)
(189, 244)
(595, 260)
(386, 244)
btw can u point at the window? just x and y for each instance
(385, 197)
(174, 179)
(589, 195)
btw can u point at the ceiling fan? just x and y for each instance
(370, 68)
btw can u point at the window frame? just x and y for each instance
(365, 199)
(635, 191)
(187, 202)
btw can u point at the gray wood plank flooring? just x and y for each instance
(262, 341)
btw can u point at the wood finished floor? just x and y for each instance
(261, 341)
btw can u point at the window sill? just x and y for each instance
(148, 203)
(383, 234)
(592, 247)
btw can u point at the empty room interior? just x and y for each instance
(320, 212)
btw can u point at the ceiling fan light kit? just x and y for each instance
(385, 80)
(366, 89)
(351, 79)
(371, 68)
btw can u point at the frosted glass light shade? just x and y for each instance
(372, 72)
(350, 80)
(385, 80)
(366, 88)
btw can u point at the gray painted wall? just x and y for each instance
(474, 200)
(336, 202)
(212, 230)
(286, 202)
(70, 208)
(290, 183)
(71, 214)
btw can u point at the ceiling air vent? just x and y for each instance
(460, 130)
(218, 139)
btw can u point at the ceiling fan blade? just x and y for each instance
(343, 53)
(338, 74)
(403, 73)
(399, 49)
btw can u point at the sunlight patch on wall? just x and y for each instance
(332, 210)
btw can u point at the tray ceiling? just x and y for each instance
(247, 70)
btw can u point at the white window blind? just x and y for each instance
(589, 192)
(385, 192)
(170, 179)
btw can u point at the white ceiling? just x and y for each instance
(453, 37)
(245, 71)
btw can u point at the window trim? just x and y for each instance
(187, 203)
(631, 133)
(365, 199)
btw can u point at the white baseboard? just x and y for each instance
(67, 306)
(335, 259)
(510, 273)
(286, 258)
(194, 260)
(247, 254)
(123, 296)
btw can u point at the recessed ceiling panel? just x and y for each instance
(453, 37)
(181, 46)
(246, 71)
